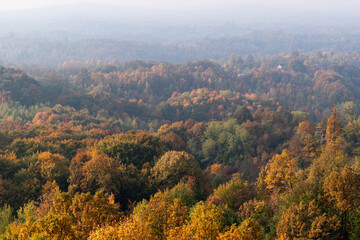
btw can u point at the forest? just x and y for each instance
(246, 147)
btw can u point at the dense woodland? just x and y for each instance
(244, 148)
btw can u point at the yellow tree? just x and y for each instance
(248, 230)
(160, 215)
(332, 156)
(306, 221)
(54, 167)
(205, 224)
(310, 149)
(260, 211)
(73, 217)
(279, 173)
(152, 219)
(129, 229)
(342, 188)
(333, 127)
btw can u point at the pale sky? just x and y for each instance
(353, 5)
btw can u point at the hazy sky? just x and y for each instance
(334, 5)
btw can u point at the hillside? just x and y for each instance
(242, 148)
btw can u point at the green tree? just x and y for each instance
(226, 143)
(242, 114)
(131, 148)
(5, 217)
(231, 194)
(174, 167)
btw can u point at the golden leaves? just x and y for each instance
(280, 172)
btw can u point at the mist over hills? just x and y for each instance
(55, 34)
(80, 21)
(52, 53)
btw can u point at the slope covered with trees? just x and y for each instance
(253, 148)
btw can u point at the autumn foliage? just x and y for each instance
(200, 150)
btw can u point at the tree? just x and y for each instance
(248, 230)
(5, 217)
(205, 224)
(9, 165)
(226, 142)
(236, 61)
(101, 173)
(306, 221)
(280, 172)
(160, 215)
(350, 111)
(74, 217)
(152, 219)
(305, 128)
(309, 151)
(83, 78)
(197, 131)
(333, 156)
(54, 167)
(173, 142)
(49, 191)
(174, 167)
(97, 171)
(242, 114)
(259, 211)
(129, 229)
(186, 192)
(77, 170)
(231, 194)
(297, 65)
(333, 127)
(131, 148)
(25, 216)
(4, 140)
(342, 188)
(249, 61)
(354, 224)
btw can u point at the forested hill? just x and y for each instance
(17, 86)
(201, 90)
(244, 148)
